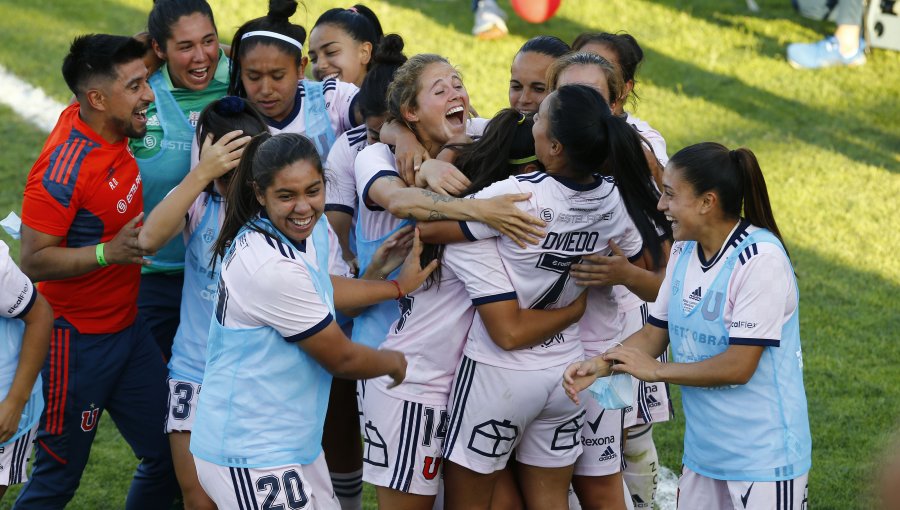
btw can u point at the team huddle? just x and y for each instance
(281, 287)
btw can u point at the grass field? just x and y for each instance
(828, 141)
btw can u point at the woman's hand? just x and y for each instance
(579, 376)
(409, 154)
(633, 361)
(10, 414)
(398, 372)
(603, 270)
(503, 216)
(217, 159)
(442, 178)
(390, 254)
(412, 274)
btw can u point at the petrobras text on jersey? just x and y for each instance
(582, 242)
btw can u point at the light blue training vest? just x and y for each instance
(264, 399)
(758, 431)
(168, 166)
(318, 124)
(370, 328)
(198, 297)
(11, 331)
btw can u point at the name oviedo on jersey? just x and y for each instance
(583, 242)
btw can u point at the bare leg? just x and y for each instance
(545, 488)
(506, 491)
(390, 499)
(600, 492)
(465, 489)
(195, 498)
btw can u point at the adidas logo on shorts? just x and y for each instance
(608, 454)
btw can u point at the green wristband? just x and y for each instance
(100, 258)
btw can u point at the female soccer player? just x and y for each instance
(729, 309)
(268, 69)
(273, 340)
(403, 457)
(633, 286)
(503, 397)
(624, 51)
(527, 75)
(196, 209)
(26, 322)
(195, 72)
(343, 42)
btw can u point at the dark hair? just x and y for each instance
(545, 45)
(388, 57)
(98, 56)
(733, 175)
(166, 13)
(506, 141)
(491, 158)
(278, 21)
(228, 114)
(595, 140)
(628, 52)
(358, 21)
(263, 158)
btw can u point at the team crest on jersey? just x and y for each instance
(89, 418)
(208, 236)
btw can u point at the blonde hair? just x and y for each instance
(402, 92)
(614, 81)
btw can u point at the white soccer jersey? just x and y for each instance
(267, 283)
(761, 296)
(340, 189)
(374, 162)
(581, 219)
(338, 102)
(657, 142)
(434, 322)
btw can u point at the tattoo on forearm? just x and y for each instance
(436, 198)
(437, 216)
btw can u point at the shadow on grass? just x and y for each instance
(846, 134)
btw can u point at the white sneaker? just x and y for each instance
(490, 20)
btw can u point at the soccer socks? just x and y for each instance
(642, 465)
(348, 487)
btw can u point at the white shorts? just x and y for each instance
(183, 397)
(402, 442)
(601, 439)
(493, 410)
(651, 400)
(698, 491)
(14, 458)
(293, 486)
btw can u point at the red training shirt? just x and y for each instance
(85, 190)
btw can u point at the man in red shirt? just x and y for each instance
(81, 215)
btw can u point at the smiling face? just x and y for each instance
(125, 101)
(589, 75)
(270, 78)
(528, 81)
(334, 54)
(295, 200)
(681, 205)
(441, 105)
(191, 53)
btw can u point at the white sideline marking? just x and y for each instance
(29, 102)
(42, 111)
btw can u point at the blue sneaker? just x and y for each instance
(825, 53)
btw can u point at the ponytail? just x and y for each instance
(735, 177)
(757, 208)
(627, 164)
(241, 204)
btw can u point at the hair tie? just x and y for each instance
(273, 35)
(521, 119)
(522, 161)
(353, 10)
(230, 105)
